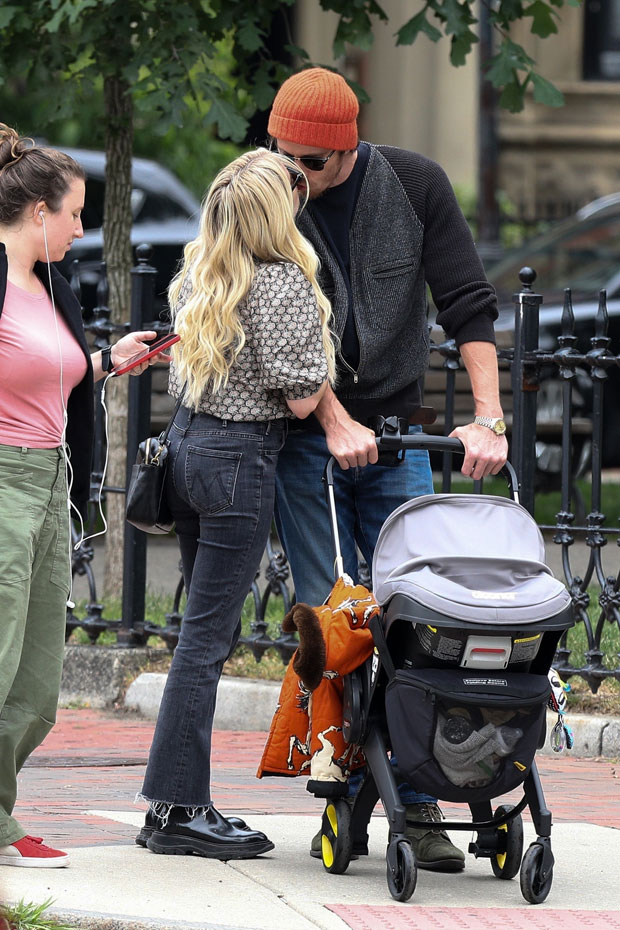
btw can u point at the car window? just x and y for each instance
(584, 256)
(92, 214)
(146, 206)
(156, 207)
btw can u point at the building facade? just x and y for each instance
(550, 161)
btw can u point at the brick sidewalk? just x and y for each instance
(95, 760)
(410, 917)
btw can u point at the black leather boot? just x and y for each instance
(152, 822)
(208, 834)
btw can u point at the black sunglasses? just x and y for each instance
(311, 162)
(295, 175)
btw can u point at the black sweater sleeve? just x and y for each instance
(466, 302)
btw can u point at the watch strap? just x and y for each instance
(106, 359)
(491, 423)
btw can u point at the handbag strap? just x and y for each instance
(164, 435)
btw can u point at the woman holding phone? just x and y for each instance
(46, 431)
(255, 351)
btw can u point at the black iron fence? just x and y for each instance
(579, 442)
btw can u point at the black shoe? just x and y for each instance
(152, 822)
(207, 834)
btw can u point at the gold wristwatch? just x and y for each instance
(495, 423)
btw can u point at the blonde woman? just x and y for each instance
(255, 350)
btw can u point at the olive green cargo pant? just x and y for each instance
(34, 587)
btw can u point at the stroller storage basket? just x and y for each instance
(464, 735)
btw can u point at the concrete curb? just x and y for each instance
(249, 704)
(242, 703)
(98, 675)
(89, 920)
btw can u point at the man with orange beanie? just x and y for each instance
(385, 224)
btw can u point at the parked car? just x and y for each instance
(165, 215)
(582, 253)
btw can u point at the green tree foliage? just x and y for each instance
(195, 154)
(166, 52)
(511, 70)
(213, 53)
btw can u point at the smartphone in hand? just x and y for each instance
(155, 348)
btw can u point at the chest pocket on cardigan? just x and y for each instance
(391, 290)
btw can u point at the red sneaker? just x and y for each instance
(32, 853)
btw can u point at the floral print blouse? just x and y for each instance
(283, 355)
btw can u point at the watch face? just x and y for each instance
(500, 428)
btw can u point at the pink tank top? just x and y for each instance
(31, 411)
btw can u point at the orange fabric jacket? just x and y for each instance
(306, 732)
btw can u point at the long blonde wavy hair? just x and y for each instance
(247, 216)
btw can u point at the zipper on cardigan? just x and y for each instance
(346, 365)
(338, 353)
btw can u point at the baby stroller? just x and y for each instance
(457, 687)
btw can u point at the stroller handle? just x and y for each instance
(397, 441)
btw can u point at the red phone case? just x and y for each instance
(154, 349)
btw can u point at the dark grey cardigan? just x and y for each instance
(407, 231)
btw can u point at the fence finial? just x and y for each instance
(527, 276)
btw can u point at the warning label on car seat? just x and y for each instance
(439, 645)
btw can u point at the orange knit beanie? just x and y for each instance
(315, 107)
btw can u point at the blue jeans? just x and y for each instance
(220, 486)
(364, 497)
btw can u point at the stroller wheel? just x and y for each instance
(506, 862)
(536, 880)
(402, 872)
(336, 836)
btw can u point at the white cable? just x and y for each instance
(63, 435)
(104, 470)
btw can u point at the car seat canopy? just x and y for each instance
(473, 557)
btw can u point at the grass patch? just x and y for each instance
(156, 607)
(270, 666)
(577, 638)
(605, 702)
(548, 503)
(274, 616)
(581, 698)
(242, 664)
(29, 916)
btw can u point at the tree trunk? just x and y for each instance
(117, 254)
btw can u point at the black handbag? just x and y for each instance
(145, 501)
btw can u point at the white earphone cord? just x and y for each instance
(63, 438)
